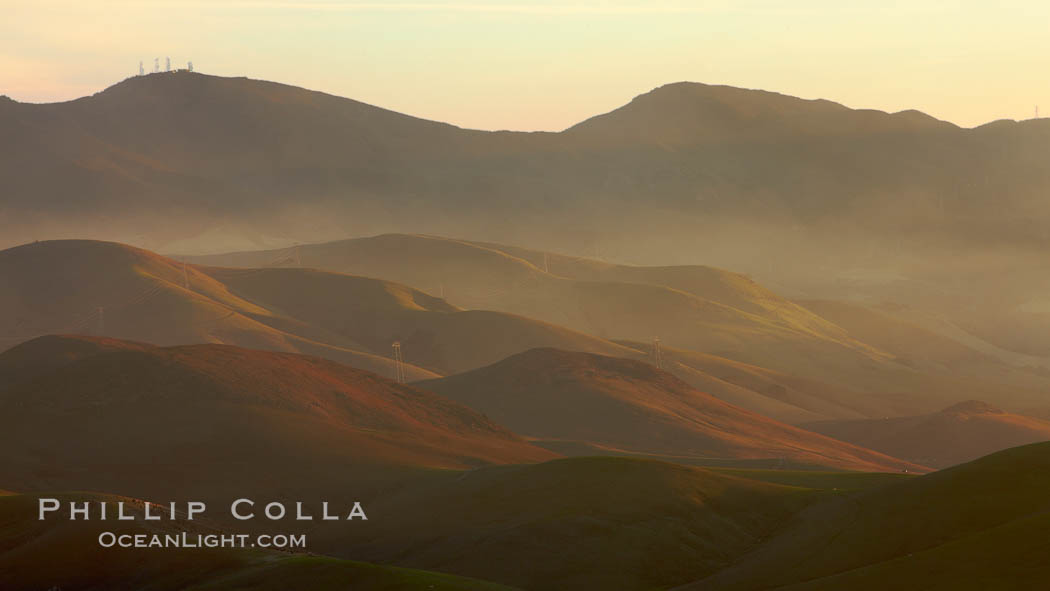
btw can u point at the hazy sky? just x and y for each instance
(520, 64)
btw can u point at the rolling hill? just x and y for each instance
(212, 420)
(110, 289)
(692, 307)
(565, 399)
(714, 325)
(973, 526)
(554, 526)
(805, 194)
(957, 434)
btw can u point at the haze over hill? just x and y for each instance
(209, 151)
(796, 361)
(572, 400)
(957, 434)
(209, 420)
(120, 291)
(827, 201)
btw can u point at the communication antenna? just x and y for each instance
(189, 66)
(156, 65)
(399, 363)
(167, 64)
(142, 72)
(1037, 111)
(657, 354)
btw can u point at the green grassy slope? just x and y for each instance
(580, 523)
(1005, 558)
(881, 535)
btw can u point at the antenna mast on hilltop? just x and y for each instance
(142, 72)
(167, 64)
(189, 66)
(399, 364)
(156, 65)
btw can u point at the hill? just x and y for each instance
(966, 527)
(160, 149)
(562, 397)
(957, 434)
(804, 194)
(211, 420)
(110, 289)
(779, 395)
(855, 362)
(554, 526)
(696, 307)
(64, 554)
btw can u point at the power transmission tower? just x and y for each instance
(101, 321)
(142, 72)
(399, 364)
(657, 354)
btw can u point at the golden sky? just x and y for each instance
(530, 65)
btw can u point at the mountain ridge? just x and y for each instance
(200, 152)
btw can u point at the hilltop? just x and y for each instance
(179, 151)
(141, 419)
(721, 331)
(568, 399)
(115, 290)
(554, 526)
(973, 526)
(957, 434)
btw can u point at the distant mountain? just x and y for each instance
(163, 158)
(565, 399)
(211, 420)
(957, 434)
(110, 289)
(980, 525)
